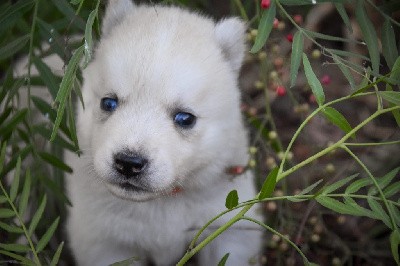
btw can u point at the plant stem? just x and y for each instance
(30, 55)
(20, 220)
(190, 253)
(392, 220)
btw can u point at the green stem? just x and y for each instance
(373, 144)
(21, 222)
(240, 6)
(392, 220)
(279, 234)
(190, 253)
(30, 55)
(330, 148)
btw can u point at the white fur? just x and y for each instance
(157, 60)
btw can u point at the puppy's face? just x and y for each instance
(162, 104)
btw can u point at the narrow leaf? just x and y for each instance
(13, 47)
(2, 156)
(19, 258)
(6, 213)
(88, 37)
(36, 218)
(358, 209)
(56, 257)
(15, 183)
(376, 207)
(232, 200)
(65, 88)
(23, 201)
(384, 181)
(47, 236)
(357, 185)
(369, 34)
(336, 205)
(336, 118)
(392, 189)
(15, 247)
(343, 14)
(222, 262)
(313, 81)
(335, 186)
(47, 76)
(305, 192)
(11, 228)
(388, 38)
(394, 245)
(346, 71)
(10, 15)
(10, 125)
(269, 184)
(265, 27)
(297, 51)
(391, 96)
(54, 161)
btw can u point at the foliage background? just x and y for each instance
(354, 219)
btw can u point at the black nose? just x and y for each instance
(129, 165)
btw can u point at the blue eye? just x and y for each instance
(108, 104)
(184, 120)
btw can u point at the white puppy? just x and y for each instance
(160, 127)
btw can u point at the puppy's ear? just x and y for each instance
(230, 35)
(115, 12)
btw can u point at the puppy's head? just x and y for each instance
(162, 103)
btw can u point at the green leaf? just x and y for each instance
(15, 247)
(357, 185)
(369, 34)
(54, 161)
(305, 191)
(47, 76)
(65, 88)
(341, 53)
(15, 183)
(23, 201)
(394, 245)
(88, 37)
(297, 51)
(346, 71)
(264, 28)
(65, 8)
(392, 189)
(13, 47)
(335, 186)
(329, 37)
(10, 125)
(11, 228)
(60, 141)
(37, 216)
(391, 96)
(6, 213)
(342, 12)
(384, 181)
(11, 164)
(388, 38)
(336, 118)
(3, 199)
(14, 89)
(222, 262)
(71, 124)
(56, 257)
(2, 156)
(128, 262)
(11, 15)
(336, 205)
(380, 213)
(232, 200)
(75, 2)
(361, 211)
(313, 81)
(21, 259)
(47, 236)
(55, 189)
(269, 184)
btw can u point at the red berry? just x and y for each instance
(326, 79)
(235, 170)
(265, 4)
(289, 37)
(280, 91)
(276, 23)
(298, 19)
(312, 99)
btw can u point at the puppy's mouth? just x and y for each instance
(131, 187)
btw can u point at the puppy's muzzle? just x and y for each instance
(129, 165)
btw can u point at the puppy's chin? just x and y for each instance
(131, 193)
